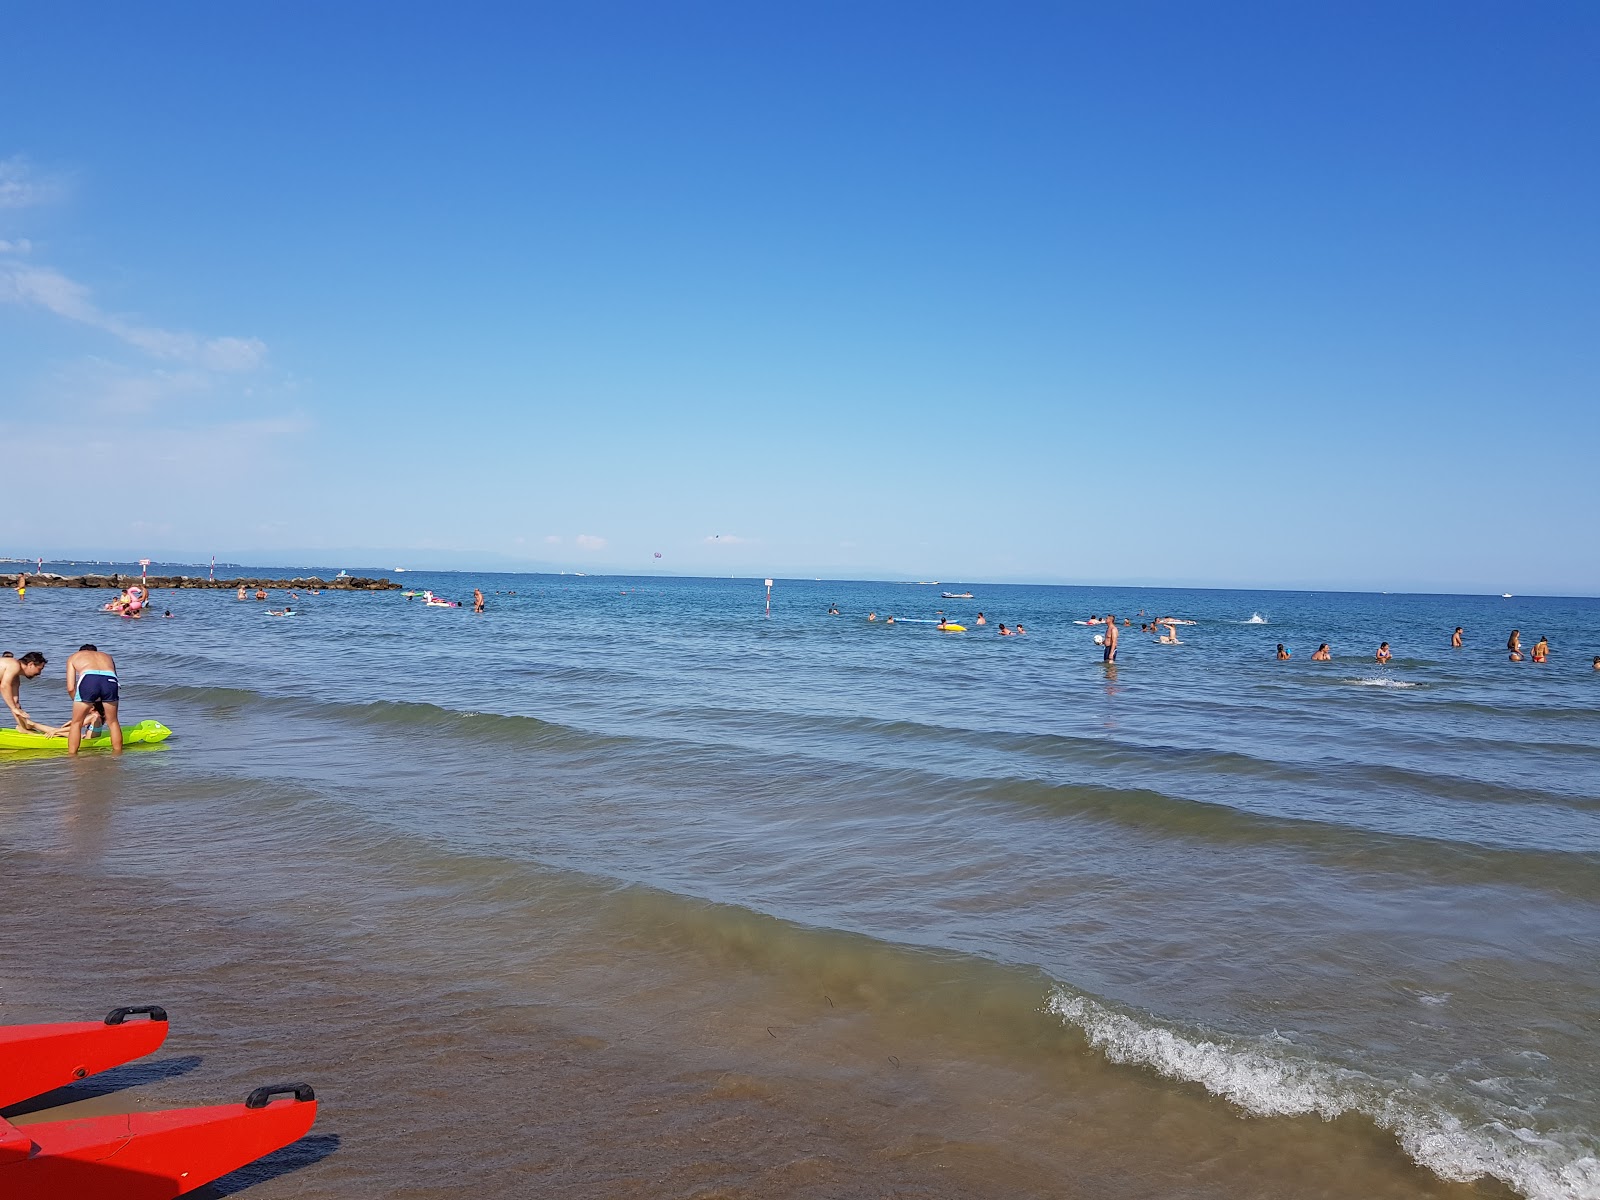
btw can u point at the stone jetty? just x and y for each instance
(340, 583)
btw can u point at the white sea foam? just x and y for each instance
(1256, 619)
(1266, 1077)
(1382, 681)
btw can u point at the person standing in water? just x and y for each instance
(1323, 654)
(1110, 655)
(1541, 649)
(1383, 654)
(92, 684)
(477, 600)
(1514, 645)
(1282, 653)
(1455, 638)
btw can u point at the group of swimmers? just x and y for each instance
(945, 623)
(1540, 653)
(92, 684)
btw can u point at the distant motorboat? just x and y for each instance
(955, 595)
(342, 575)
(1505, 595)
(399, 570)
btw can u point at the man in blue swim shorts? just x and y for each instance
(92, 682)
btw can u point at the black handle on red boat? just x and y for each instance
(259, 1097)
(116, 1015)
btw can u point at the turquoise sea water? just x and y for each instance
(1304, 887)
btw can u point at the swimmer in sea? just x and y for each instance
(833, 610)
(888, 621)
(872, 616)
(167, 615)
(1597, 662)
(1383, 654)
(1004, 632)
(261, 593)
(12, 672)
(1514, 645)
(477, 600)
(1017, 629)
(980, 620)
(92, 684)
(1110, 654)
(242, 596)
(1455, 639)
(1541, 649)
(1170, 637)
(1282, 653)
(1322, 654)
(943, 624)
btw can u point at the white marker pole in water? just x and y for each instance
(769, 597)
(144, 573)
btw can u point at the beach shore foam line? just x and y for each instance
(1264, 1080)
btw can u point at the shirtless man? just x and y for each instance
(477, 600)
(981, 620)
(92, 684)
(1111, 639)
(12, 672)
(1323, 654)
(1383, 654)
(1455, 638)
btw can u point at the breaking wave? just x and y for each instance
(1266, 1078)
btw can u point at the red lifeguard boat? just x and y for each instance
(130, 1156)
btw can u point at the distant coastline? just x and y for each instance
(346, 583)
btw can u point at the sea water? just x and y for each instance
(1340, 891)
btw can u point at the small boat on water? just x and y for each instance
(955, 595)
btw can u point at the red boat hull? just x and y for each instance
(132, 1156)
(144, 1156)
(40, 1058)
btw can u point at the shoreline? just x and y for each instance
(348, 583)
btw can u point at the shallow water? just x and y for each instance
(1207, 900)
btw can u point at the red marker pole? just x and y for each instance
(769, 598)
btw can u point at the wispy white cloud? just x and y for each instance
(23, 187)
(589, 541)
(15, 246)
(553, 539)
(47, 288)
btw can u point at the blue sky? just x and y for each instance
(1234, 294)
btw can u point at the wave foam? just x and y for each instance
(1255, 619)
(1381, 681)
(1265, 1080)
